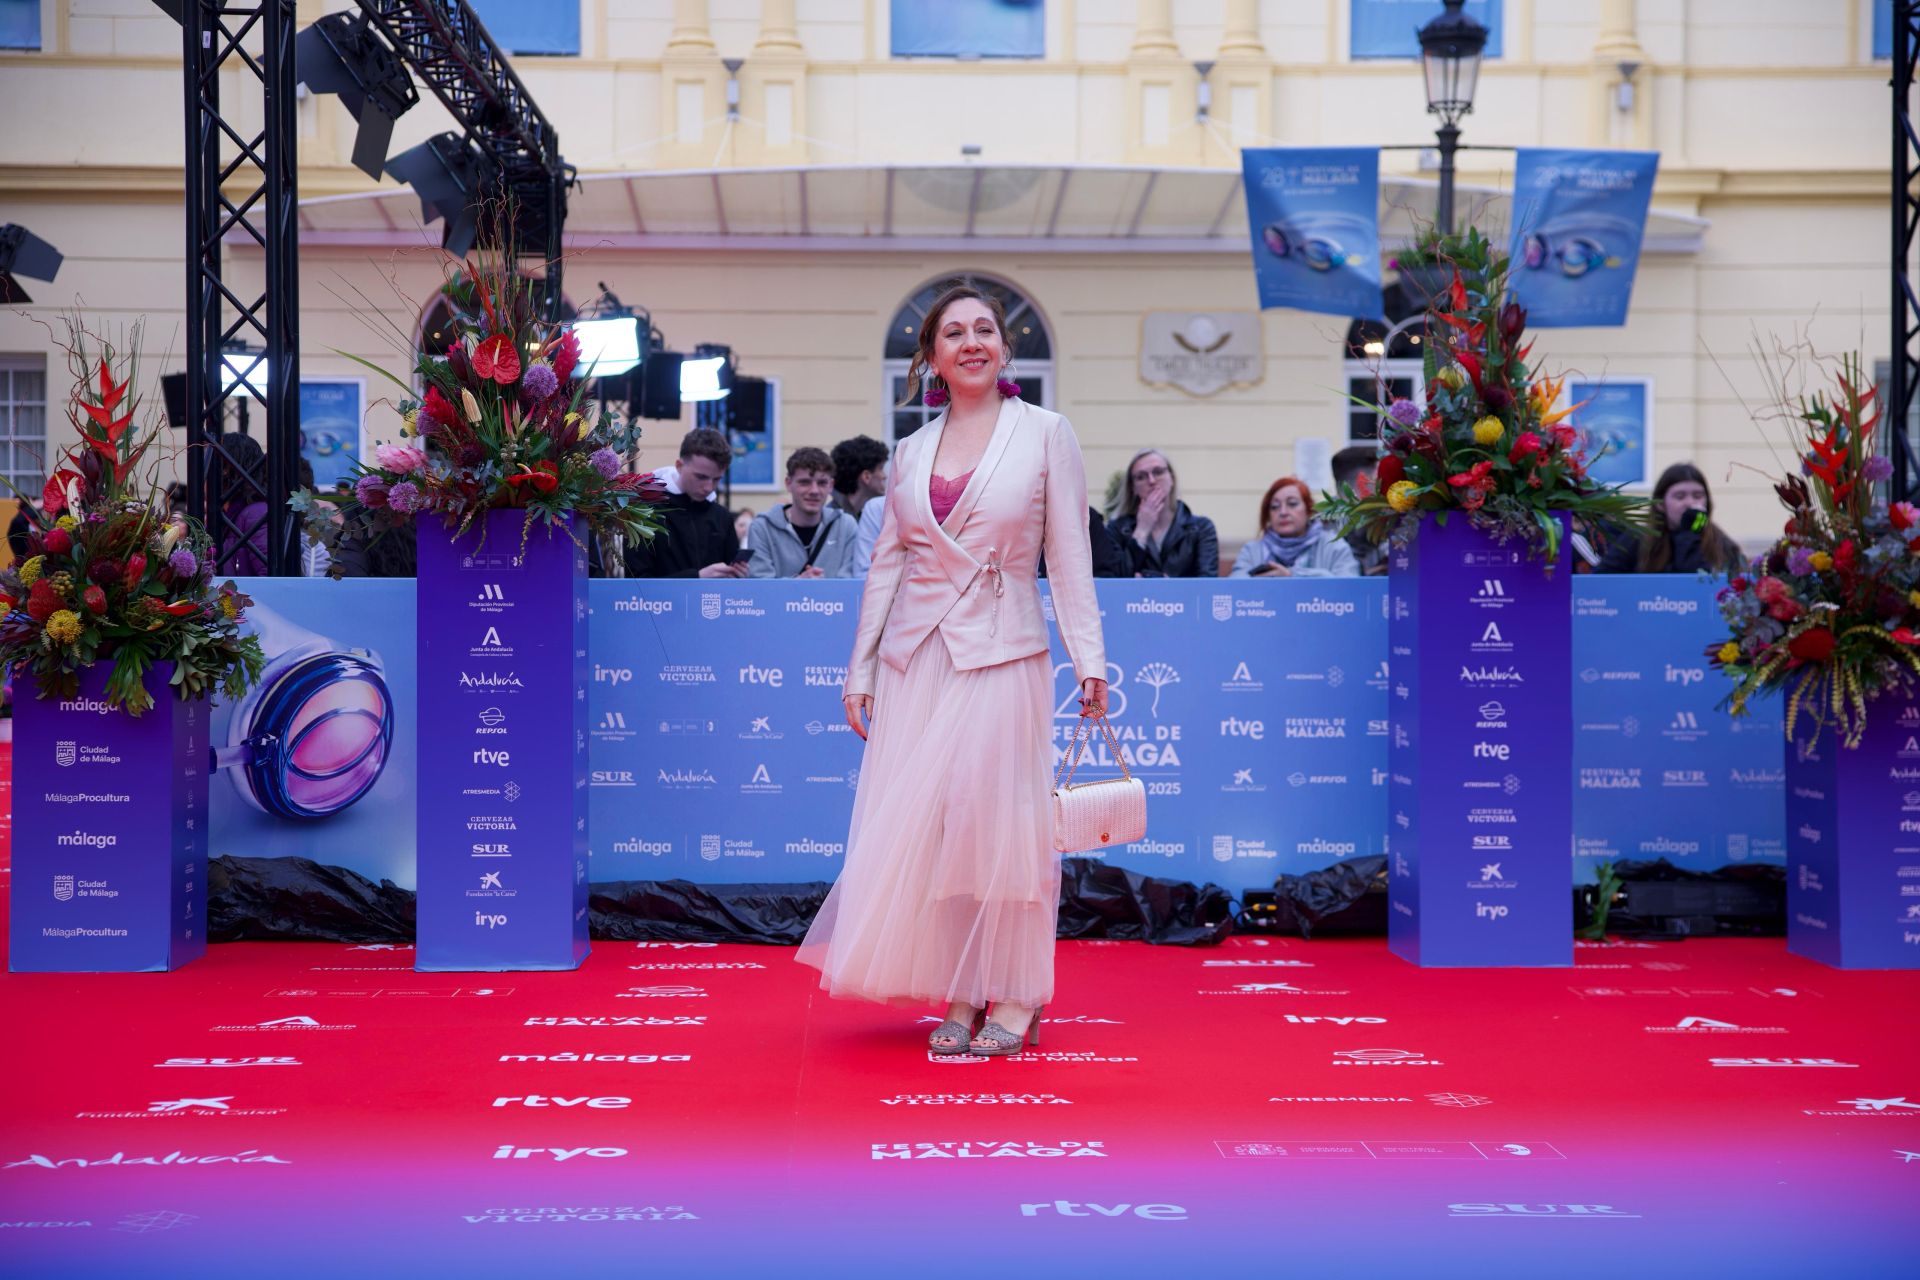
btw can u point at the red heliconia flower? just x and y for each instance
(1812, 645)
(499, 359)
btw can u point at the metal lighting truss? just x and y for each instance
(254, 193)
(261, 203)
(1903, 364)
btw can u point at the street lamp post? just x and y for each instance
(1450, 49)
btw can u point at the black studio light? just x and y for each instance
(342, 55)
(452, 178)
(22, 253)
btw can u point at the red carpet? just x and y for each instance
(1289, 1108)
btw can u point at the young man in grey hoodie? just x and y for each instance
(806, 538)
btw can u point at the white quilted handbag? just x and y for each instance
(1094, 815)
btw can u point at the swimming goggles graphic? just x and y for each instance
(1576, 247)
(313, 736)
(1313, 245)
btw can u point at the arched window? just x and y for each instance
(1383, 362)
(439, 323)
(1032, 351)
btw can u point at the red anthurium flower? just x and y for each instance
(497, 358)
(1388, 473)
(1903, 514)
(53, 496)
(1844, 557)
(1812, 645)
(544, 477)
(181, 608)
(1527, 445)
(1904, 635)
(1479, 476)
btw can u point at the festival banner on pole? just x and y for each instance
(1481, 757)
(1579, 218)
(503, 749)
(1314, 217)
(109, 830)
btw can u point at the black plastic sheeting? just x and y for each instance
(297, 899)
(1102, 901)
(681, 911)
(1660, 900)
(1347, 899)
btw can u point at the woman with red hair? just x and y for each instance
(1291, 544)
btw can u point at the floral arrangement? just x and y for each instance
(111, 576)
(1830, 615)
(1489, 442)
(500, 422)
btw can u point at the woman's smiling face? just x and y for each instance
(968, 351)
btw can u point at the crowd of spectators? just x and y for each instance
(836, 500)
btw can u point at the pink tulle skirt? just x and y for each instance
(951, 888)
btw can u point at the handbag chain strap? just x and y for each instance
(1071, 761)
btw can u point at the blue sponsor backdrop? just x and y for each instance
(1255, 712)
(1313, 214)
(1659, 772)
(1578, 220)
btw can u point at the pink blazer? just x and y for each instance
(974, 579)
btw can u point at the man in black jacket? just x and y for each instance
(697, 539)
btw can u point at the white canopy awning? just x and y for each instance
(917, 208)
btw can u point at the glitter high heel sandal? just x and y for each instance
(995, 1041)
(950, 1038)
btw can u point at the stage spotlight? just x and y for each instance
(660, 385)
(452, 178)
(707, 374)
(609, 345)
(243, 366)
(23, 253)
(341, 55)
(747, 407)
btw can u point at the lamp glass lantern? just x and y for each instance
(1450, 49)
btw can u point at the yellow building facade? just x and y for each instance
(773, 177)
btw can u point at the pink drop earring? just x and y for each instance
(933, 397)
(1007, 388)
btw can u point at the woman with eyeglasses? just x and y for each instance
(1161, 537)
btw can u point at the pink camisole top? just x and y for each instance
(944, 494)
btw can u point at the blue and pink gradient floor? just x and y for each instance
(1264, 1108)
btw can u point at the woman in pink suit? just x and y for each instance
(951, 887)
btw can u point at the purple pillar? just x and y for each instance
(503, 739)
(109, 830)
(1480, 829)
(1853, 841)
